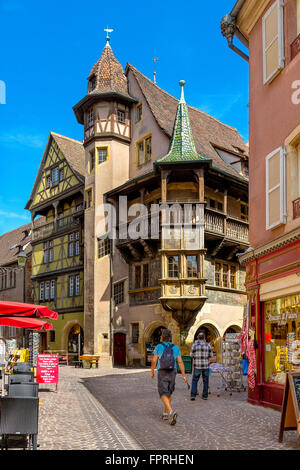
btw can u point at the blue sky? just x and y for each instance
(48, 49)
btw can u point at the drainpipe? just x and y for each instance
(229, 29)
(111, 275)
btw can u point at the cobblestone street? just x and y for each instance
(119, 409)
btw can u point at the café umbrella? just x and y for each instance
(25, 322)
(17, 309)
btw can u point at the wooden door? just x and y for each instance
(119, 349)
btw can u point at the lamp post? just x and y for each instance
(22, 257)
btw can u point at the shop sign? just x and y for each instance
(47, 369)
(282, 310)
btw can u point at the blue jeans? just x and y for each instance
(196, 376)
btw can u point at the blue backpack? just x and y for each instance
(167, 361)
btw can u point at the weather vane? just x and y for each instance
(107, 34)
(154, 73)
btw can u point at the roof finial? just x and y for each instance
(182, 83)
(154, 72)
(107, 39)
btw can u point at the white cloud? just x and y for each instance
(14, 215)
(22, 139)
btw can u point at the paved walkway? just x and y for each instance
(119, 409)
(220, 423)
(72, 419)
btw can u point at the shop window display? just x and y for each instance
(282, 337)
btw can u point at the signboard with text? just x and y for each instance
(47, 369)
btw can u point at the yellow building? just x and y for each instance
(57, 242)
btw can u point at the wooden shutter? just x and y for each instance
(273, 41)
(275, 189)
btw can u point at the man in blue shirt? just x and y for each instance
(166, 377)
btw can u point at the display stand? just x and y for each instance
(232, 360)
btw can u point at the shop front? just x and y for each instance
(273, 288)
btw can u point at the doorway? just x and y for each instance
(119, 349)
(75, 343)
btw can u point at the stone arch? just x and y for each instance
(149, 330)
(66, 330)
(215, 338)
(236, 326)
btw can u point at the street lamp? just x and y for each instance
(22, 258)
(22, 264)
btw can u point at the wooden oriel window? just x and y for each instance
(138, 276)
(173, 266)
(145, 275)
(192, 266)
(225, 275)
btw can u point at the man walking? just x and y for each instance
(202, 355)
(164, 357)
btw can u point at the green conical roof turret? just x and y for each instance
(182, 146)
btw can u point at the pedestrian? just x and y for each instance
(202, 355)
(164, 357)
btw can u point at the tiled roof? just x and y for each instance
(108, 74)
(207, 131)
(73, 151)
(11, 242)
(182, 146)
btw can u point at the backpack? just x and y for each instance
(167, 361)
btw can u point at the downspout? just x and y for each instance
(111, 297)
(229, 29)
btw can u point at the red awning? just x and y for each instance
(17, 309)
(21, 322)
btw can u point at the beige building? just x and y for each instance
(144, 148)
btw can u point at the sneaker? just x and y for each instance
(204, 398)
(193, 398)
(173, 418)
(164, 416)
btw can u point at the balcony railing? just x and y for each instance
(295, 47)
(61, 224)
(219, 223)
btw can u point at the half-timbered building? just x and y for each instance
(57, 242)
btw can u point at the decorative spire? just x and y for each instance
(107, 39)
(182, 146)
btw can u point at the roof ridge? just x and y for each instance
(190, 106)
(15, 230)
(65, 137)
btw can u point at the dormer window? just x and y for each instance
(92, 84)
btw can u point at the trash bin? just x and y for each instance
(187, 362)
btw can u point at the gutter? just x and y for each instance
(229, 29)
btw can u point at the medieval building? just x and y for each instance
(142, 149)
